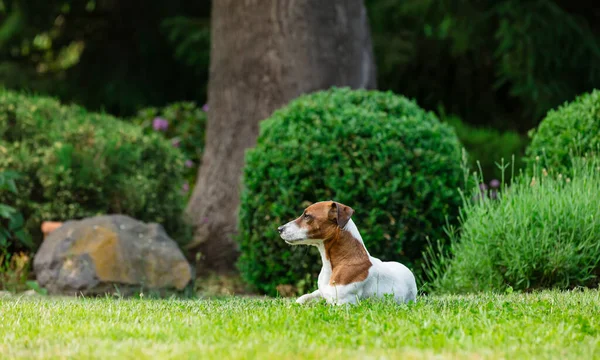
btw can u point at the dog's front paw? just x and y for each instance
(303, 299)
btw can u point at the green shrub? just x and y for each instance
(488, 146)
(13, 236)
(15, 242)
(184, 124)
(75, 164)
(572, 129)
(543, 232)
(394, 163)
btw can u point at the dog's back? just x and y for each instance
(391, 277)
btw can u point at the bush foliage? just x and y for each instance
(75, 164)
(572, 129)
(184, 124)
(542, 232)
(488, 146)
(397, 165)
(12, 233)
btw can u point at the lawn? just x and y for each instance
(543, 325)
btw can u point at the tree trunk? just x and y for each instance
(265, 53)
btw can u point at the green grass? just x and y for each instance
(542, 325)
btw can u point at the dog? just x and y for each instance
(349, 272)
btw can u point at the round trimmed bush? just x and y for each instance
(75, 164)
(572, 129)
(380, 153)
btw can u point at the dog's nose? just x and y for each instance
(280, 229)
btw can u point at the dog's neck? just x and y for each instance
(353, 230)
(345, 251)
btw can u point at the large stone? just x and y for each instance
(106, 254)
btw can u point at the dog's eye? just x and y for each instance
(306, 217)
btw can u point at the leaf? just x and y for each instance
(36, 287)
(12, 187)
(7, 181)
(24, 238)
(16, 222)
(4, 234)
(6, 211)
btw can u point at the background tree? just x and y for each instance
(263, 54)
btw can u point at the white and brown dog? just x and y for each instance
(349, 273)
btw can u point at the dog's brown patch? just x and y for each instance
(349, 260)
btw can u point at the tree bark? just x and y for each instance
(265, 53)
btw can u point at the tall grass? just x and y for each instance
(542, 232)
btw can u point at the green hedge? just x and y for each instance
(572, 129)
(394, 163)
(541, 233)
(75, 164)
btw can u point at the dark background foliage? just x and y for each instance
(496, 63)
(110, 54)
(499, 63)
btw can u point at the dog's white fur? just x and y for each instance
(384, 278)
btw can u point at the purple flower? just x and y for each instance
(186, 187)
(160, 124)
(483, 187)
(205, 107)
(176, 142)
(495, 184)
(189, 163)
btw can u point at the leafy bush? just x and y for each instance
(15, 270)
(13, 236)
(488, 146)
(573, 128)
(184, 124)
(380, 153)
(541, 233)
(76, 164)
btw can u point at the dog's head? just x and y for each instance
(318, 222)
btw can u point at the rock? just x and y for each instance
(5, 294)
(108, 254)
(30, 293)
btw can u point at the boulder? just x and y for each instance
(108, 254)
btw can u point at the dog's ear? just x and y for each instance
(340, 213)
